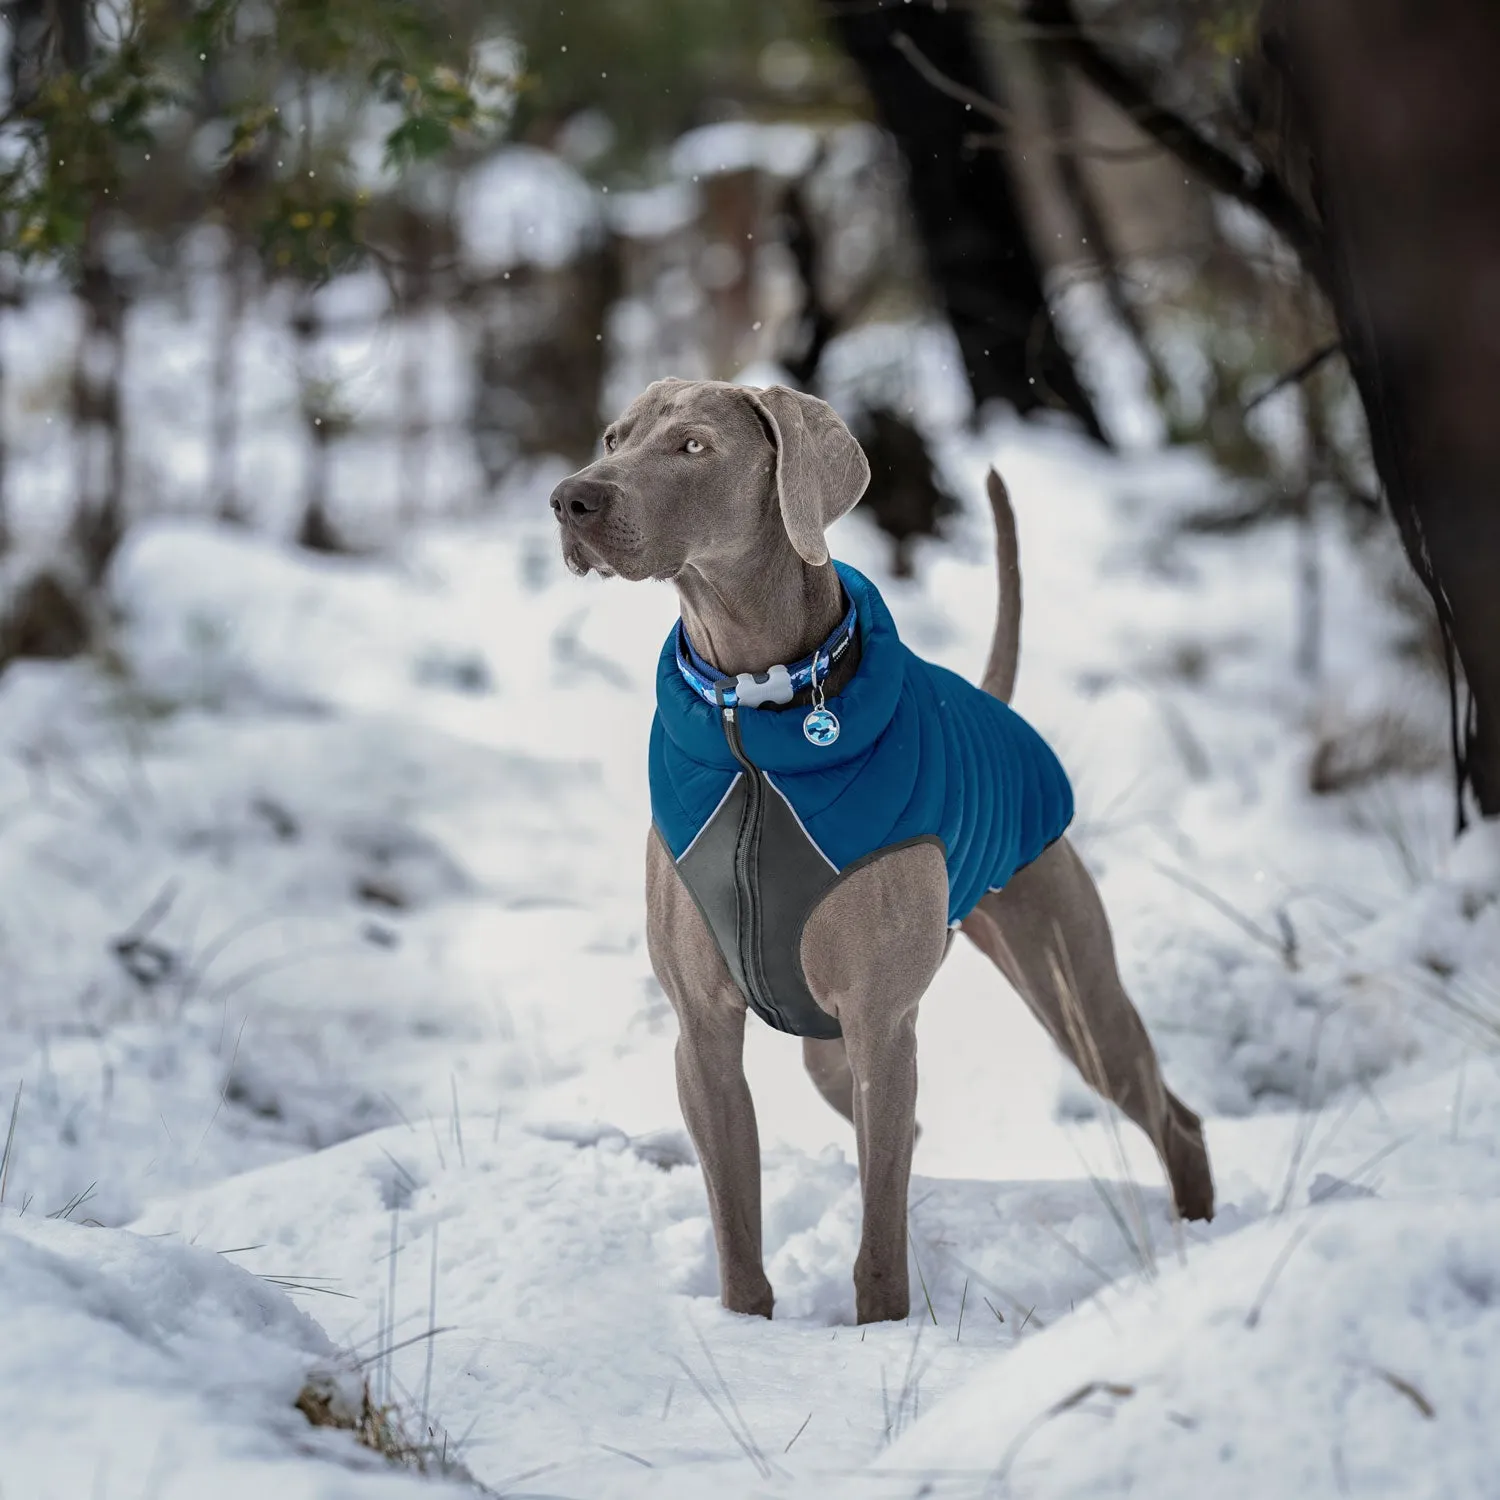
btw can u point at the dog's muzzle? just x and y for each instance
(581, 502)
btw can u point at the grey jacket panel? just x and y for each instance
(758, 927)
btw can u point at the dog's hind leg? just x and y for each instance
(1048, 934)
(827, 1064)
(869, 951)
(711, 1086)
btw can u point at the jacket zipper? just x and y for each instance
(746, 852)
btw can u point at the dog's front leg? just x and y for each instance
(883, 1059)
(711, 1086)
(869, 952)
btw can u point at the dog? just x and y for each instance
(830, 914)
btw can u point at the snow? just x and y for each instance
(132, 1366)
(742, 145)
(322, 955)
(1347, 1346)
(525, 207)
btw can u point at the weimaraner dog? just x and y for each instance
(725, 492)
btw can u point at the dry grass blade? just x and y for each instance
(734, 1405)
(635, 1458)
(798, 1433)
(74, 1203)
(390, 1299)
(1407, 1389)
(1252, 1317)
(384, 1352)
(406, 1177)
(10, 1140)
(747, 1448)
(304, 1284)
(922, 1280)
(458, 1120)
(224, 1091)
(379, 1427)
(1137, 1236)
(1281, 944)
(431, 1327)
(908, 1400)
(233, 985)
(1476, 1005)
(1307, 1118)
(1073, 1399)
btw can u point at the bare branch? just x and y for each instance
(1004, 117)
(1261, 191)
(1298, 373)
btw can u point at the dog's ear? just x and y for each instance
(820, 469)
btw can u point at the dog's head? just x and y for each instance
(700, 472)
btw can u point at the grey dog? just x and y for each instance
(726, 492)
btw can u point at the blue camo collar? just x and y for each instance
(779, 684)
(774, 741)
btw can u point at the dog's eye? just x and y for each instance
(609, 442)
(692, 446)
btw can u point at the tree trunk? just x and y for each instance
(8, 299)
(224, 419)
(1094, 232)
(98, 430)
(316, 531)
(967, 209)
(1390, 128)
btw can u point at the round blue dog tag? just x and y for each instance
(821, 726)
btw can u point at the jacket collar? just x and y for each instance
(774, 741)
(779, 684)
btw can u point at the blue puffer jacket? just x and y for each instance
(921, 753)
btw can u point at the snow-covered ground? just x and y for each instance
(325, 997)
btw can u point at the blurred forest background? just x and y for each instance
(329, 267)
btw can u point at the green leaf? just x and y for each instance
(416, 139)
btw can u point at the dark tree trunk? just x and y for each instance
(98, 424)
(966, 206)
(8, 299)
(1388, 125)
(31, 48)
(316, 530)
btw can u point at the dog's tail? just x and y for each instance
(1000, 670)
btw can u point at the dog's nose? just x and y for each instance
(578, 499)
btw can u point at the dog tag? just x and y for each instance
(821, 726)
